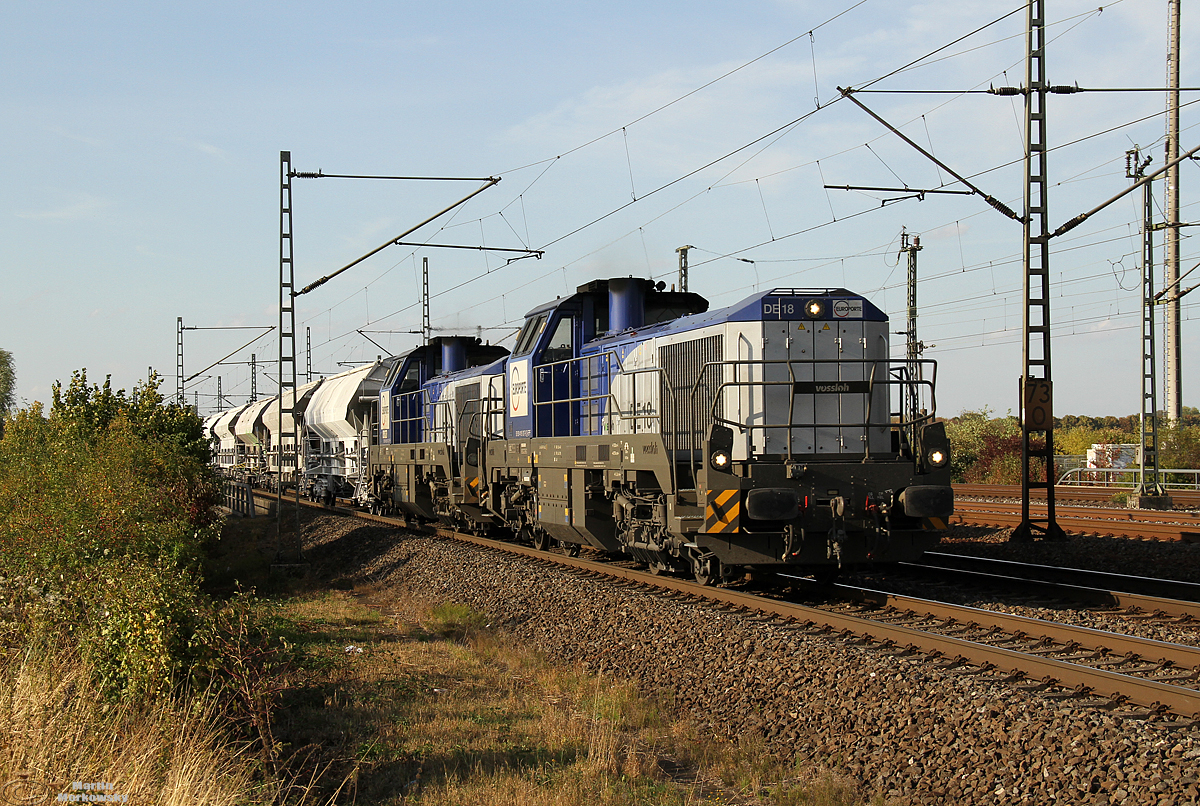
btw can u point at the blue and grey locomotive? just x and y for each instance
(635, 420)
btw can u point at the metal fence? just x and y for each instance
(239, 498)
(1129, 477)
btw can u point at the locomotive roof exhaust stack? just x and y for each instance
(626, 303)
(454, 354)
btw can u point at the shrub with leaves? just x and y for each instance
(8, 382)
(983, 449)
(239, 657)
(1078, 441)
(104, 505)
(91, 409)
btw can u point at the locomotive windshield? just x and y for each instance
(412, 378)
(529, 334)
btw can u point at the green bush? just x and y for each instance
(104, 506)
(987, 450)
(984, 450)
(140, 616)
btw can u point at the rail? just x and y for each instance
(239, 497)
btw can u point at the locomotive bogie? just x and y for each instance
(406, 478)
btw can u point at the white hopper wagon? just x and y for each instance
(278, 434)
(252, 434)
(230, 452)
(338, 425)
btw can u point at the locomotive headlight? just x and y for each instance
(720, 460)
(937, 457)
(814, 309)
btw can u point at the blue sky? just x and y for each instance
(141, 146)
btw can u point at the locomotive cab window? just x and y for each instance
(391, 374)
(412, 378)
(562, 343)
(529, 334)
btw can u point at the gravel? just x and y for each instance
(900, 724)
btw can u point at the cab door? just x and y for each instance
(468, 439)
(556, 401)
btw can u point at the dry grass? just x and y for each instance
(409, 704)
(392, 703)
(54, 732)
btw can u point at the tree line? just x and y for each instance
(986, 449)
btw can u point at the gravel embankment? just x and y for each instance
(900, 725)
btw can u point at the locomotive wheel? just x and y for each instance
(658, 568)
(541, 540)
(707, 570)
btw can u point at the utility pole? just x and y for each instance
(220, 396)
(914, 347)
(289, 551)
(253, 377)
(308, 354)
(683, 266)
(1036, 387)
(426, 325)
(1150, 493)
(1174, 358)
(179, 362)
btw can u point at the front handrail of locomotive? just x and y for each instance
(614, 405)
(492, 411)
(717, 394)
(903, 374)
(431, 411)
(791, 423)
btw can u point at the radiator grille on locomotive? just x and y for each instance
(686, 417)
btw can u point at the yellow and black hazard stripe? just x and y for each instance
(724, 511)
(473, 489)
(932, 524)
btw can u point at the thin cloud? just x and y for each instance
(78, 138)
(84, 207)
(205, 148)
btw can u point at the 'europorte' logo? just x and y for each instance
(518, 388)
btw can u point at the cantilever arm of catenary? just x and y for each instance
(992, 200)
(318, 283)
(266, 329)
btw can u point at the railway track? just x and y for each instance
(1085, 520)
(941, 630)
(1146, 658)
(1167, 597)
(1187, 499)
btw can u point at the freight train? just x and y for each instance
(761, 436)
